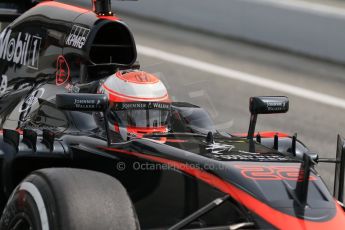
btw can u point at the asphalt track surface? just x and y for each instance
(191, 65)
(221, 74)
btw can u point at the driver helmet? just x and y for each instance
(139, 103)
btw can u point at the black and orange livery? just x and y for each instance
(193, 177)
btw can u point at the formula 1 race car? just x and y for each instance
(90, 141)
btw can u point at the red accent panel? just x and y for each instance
(93, 5)
(111, 18)
(115, 96)
(135, 129)
(259, 172)
(18, 130)
(138, 77)
(62, 71)
(116, 127)
(160, 140)
(63, 6)
(265, 134)
(176, 141)
(273, 216)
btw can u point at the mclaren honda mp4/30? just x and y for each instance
(89, 141)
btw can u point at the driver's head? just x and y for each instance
(139, 103)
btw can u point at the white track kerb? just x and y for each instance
(35, 193)
(241, 76)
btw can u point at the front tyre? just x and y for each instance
(69, 199)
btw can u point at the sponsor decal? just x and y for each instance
(259, 172)
(87, 103)
(62, 71)
(22, 49)
(77, 37)
(142, 106)
(31, 100)
(218, 148)
(72, 88)
(245, 156)
(276, 106)
(3, 85)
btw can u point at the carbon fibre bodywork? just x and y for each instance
(56, 48)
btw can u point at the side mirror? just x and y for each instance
(265, 105)
(268, 105)
(82, 101)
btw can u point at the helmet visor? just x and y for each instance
(140, 114)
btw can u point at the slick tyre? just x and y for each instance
(69, 199)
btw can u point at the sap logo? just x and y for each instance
(77, 37)
(24, 49)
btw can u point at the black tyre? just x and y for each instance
(69, 199)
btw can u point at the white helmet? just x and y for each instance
(139, 103)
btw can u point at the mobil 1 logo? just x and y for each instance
(22, 48)
(77, 37)
(34, 51)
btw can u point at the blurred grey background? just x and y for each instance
(299, 43)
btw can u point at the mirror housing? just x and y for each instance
(265, 105)
(82, 102)
(268, 105)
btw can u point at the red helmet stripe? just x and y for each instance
(138, 77)
(162, 98)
